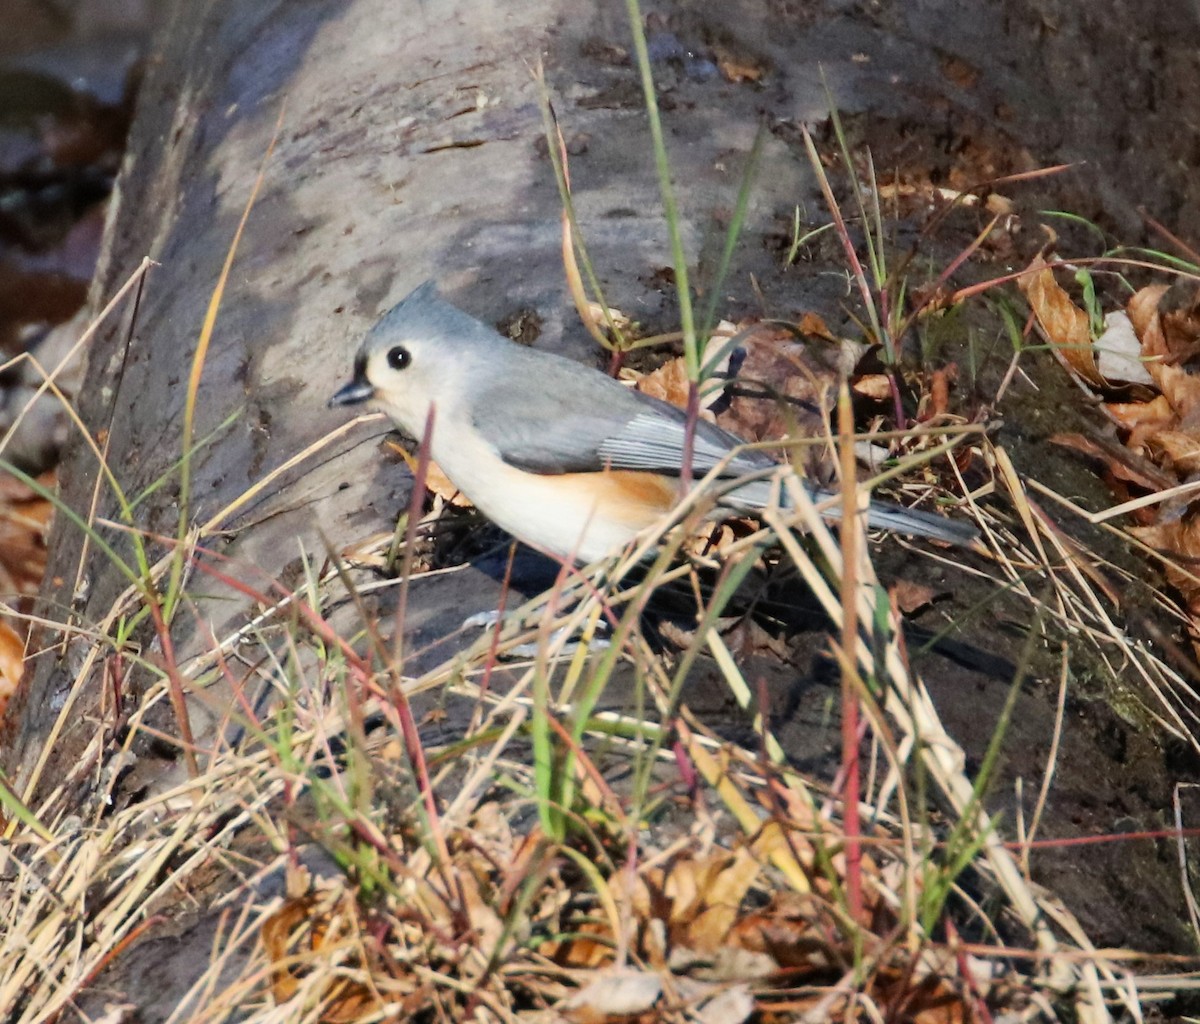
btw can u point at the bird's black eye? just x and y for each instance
(399, 357)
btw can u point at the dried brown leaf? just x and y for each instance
(597, 319)
(25, 519)
(687, 884)
(1142, 419)
(1064, 324)
(581, 951)
(709, 930)
(348, 1001)
(814, 327)
(1181, 328)
(296, 933)
(927, 1000)
(1180, 388)
(911, 597)
(739, 70)
(1122, 463)
(669, 382)
(277, 939)
(1176, 450)
(874, 386)
(1179, 544)
(1143, 314)
(781, 389)
(791, 930)
(784, 388)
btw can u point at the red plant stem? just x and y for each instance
(964, 972)
(891, 346)
(175, 686)
(897, 402)
(362, 674)
(485, 681)
(396, 694)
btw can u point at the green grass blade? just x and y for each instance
(678, 259)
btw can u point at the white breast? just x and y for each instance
(565, 515)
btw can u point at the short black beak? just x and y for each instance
(358, 390)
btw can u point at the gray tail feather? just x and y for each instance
(917, 523)
(756, 494)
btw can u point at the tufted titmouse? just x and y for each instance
(558, 454)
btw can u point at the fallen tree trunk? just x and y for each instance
(408, 145)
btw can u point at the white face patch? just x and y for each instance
(405, 388)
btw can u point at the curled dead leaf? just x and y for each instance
(874, 386)
(1176, 450)
(670, 383)
(1064, 325)
(294, 936)
(1180, 388)
(1142, 419)
(1122, 463)
(1142, 309)
(596, 318)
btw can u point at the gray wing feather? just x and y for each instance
(655, 440)
(552, 418)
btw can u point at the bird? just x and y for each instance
(558, 454)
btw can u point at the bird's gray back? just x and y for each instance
(549, 414)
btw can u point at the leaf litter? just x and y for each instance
(1144, 371)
